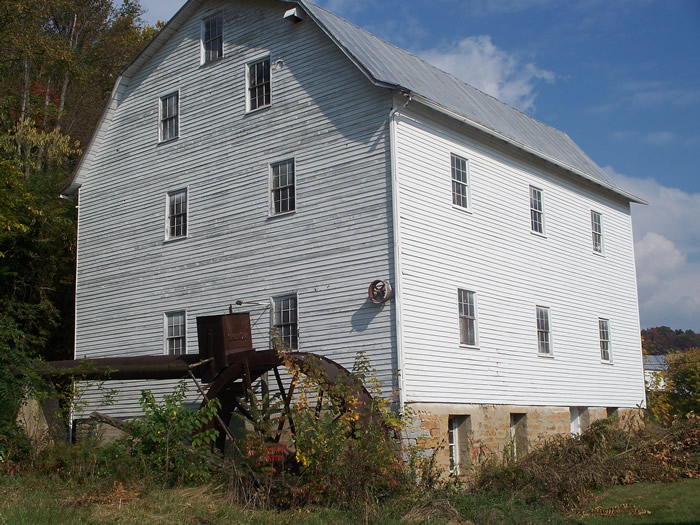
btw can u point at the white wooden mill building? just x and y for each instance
(272, 153)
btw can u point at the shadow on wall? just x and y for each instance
(365, 315)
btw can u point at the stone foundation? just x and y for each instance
(498, 430)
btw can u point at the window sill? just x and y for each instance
(546, 356)
(168, 141)
(538, 234)
(212, 62)
(604, 362)
(469, 347)
(282, 214)
(257, 110)
(462, 209)
(598, 254)
(175, 239)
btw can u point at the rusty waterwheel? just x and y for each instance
(233, 385)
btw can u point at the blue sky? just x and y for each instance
(621, 77)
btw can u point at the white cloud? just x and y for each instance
(477, 61)
(660, 138)
(653, 138)
(667, 251)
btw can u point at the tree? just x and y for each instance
(58, 62)
(676, 391)
(662, 339)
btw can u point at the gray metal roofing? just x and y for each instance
(654, 362)
(388, 64)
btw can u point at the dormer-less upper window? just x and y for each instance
(258, 80)
(460, 181)
(169, 117)
(597, 231)
(212, 38)
(536, 210)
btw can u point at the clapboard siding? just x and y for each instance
(325, 114)
(490, 250)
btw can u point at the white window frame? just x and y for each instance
(203, 42)
(534, 211)
(167, 338)
(274, 325)
(161, 120)
(597, 236)
(453, 443)
(272, 189)
(248, 101)
(605, 339)
(465, 315)
(168, 195)
(544, 329)
(574, 421)
(457, 182)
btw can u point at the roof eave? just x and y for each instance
(552, 160)
(70, 189)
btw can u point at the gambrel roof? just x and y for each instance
(390, 67)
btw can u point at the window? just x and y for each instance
(604, 331)
(579, 419)
(285, 320)
(169, 110)
(518, 434)
(536, 211)
(175, 340)
(460, 182)
(212, 38)
(258, 79)
(177, 214)
(597, 231)
(544, 344)
(467, 318)
(282, 187)
(458, 435)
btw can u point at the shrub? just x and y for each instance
(173, 441)
(565, 470)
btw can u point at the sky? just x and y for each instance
(620, 77)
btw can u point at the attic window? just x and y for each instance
(212, 38)
(169, 121)
(460, 182)
(258, 81)
(536, 211)
(597, 231)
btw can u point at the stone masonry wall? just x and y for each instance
(490, 427)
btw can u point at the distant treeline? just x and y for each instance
(662, 340)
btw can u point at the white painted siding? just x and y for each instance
(325, 114)
(492, 251)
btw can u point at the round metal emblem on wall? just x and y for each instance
(380, 291)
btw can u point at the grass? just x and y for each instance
(677, 502)
(42, 500)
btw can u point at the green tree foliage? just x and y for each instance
(58, 62)
(662, 340)
(675, 392)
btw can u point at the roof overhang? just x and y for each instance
(524, 147)
(462, 118)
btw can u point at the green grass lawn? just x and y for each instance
(41, 500)
(677, 502)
